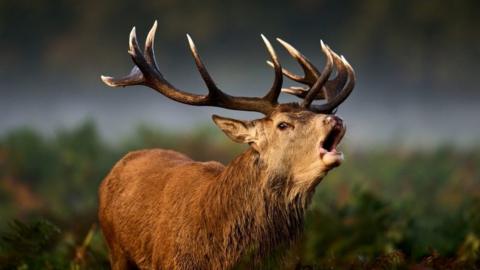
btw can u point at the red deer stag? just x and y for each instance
(159, 209)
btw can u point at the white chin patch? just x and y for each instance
(331, 158)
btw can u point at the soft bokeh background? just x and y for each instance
(410, 188)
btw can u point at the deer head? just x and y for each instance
(294, 140)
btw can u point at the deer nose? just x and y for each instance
(333, 119)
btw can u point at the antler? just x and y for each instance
(146, 72)
(334, 91)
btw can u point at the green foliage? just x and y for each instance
(390, 208)
(28, 245)
(41, 245)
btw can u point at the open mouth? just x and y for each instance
(333, 138)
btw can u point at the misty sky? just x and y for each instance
(384, 115)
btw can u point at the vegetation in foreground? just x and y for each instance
(388, 208)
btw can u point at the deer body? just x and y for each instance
(159, 209)
(184, 214)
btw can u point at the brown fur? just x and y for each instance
(161, 210)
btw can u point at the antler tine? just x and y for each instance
(334, 86)
(327, 70)
(331, 87)
(212, 87)
(135, 77)
(310, 71)
(149, 51)
(276, 88)
(342, 95)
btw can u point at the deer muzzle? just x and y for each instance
(328, 145)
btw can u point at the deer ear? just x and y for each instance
(237, 130)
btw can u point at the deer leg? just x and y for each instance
(118, 261)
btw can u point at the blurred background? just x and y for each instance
(408, 193)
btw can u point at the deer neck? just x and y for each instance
(255, 211)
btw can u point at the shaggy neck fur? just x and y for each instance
(254, 211)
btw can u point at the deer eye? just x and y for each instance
(283, 125)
